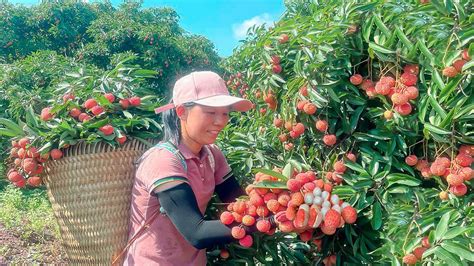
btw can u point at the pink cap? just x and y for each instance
(204, 88)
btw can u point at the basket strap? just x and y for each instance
(116, 258)
(174, 150)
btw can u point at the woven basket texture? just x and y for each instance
(90, 191)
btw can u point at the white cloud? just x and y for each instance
(240, 30)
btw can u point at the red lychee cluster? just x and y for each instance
(304, 205)
(456, 67)
(399, 91)
(417, 254)
(27, 163)
(235, 82)
(455, 171)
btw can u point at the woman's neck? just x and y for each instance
(192, 145)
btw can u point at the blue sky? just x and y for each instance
(224, 22)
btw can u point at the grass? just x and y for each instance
(27, 213)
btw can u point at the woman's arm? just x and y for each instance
(179, 203)
(229, 190)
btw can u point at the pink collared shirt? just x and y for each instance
(161, 243)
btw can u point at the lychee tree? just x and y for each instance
(377, 99)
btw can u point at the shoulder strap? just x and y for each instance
(169, 146)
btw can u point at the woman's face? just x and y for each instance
(202, 124)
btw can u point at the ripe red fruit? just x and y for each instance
(97, 110)
(293, 185)
(276, 69)
(329, 139)
(75, 112)
(403, 109)
(388, 80)
(34, 181)
(450, 71)
(304, 91)
(411, 160)
(454, 179)
(425, 242)
(226, 218)
(248, 220)
(283, 38)
(283, 137)
(110, 97)
(237, 232)
(20, 183)
(412, 69)
(289, 146)
(277, 122)
(89, 103)
(356, 79)
(332, 218)
(56, 154)
(408, 79)
(382, 88)
(32, 152)
(349, 214)
(14, 176)
(410, 259)
(46, 114)
(339, 167)
(68, 96)
(351, 157)
(29, 165)
(418, 252)
(328, 230)
(298, 128)
(458, 64)
(310, 108)
(275, 59)
(246, 241)
(464, 160)
(322, 125)
(107, 129)
(22, 153)
(367, 83)
(467, 173)
(459, 190)
(23, 142)
(399, 98)
(306, 235)
(121, 140)
(135, 101)
(263, 226)
(83, 117)
(437, 169)
(411, 92)
(124, 103)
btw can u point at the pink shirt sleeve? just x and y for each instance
(159, 164)
(223, 169)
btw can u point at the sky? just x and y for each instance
(223, 22)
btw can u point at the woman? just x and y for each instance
(176, 179)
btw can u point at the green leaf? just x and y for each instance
(436, 129)
(376, 221)
(442, 226)
(11, 126)
(356, 167)
(270, 184)
(459, 250)
(288, 170)
(454, 232)
(402, 179)
(379, 48)
(7, 132)
(271, 173)
(444, 255)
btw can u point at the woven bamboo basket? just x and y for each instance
(90, 192)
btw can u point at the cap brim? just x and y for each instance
(237, 104)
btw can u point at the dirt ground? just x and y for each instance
(34, 250)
